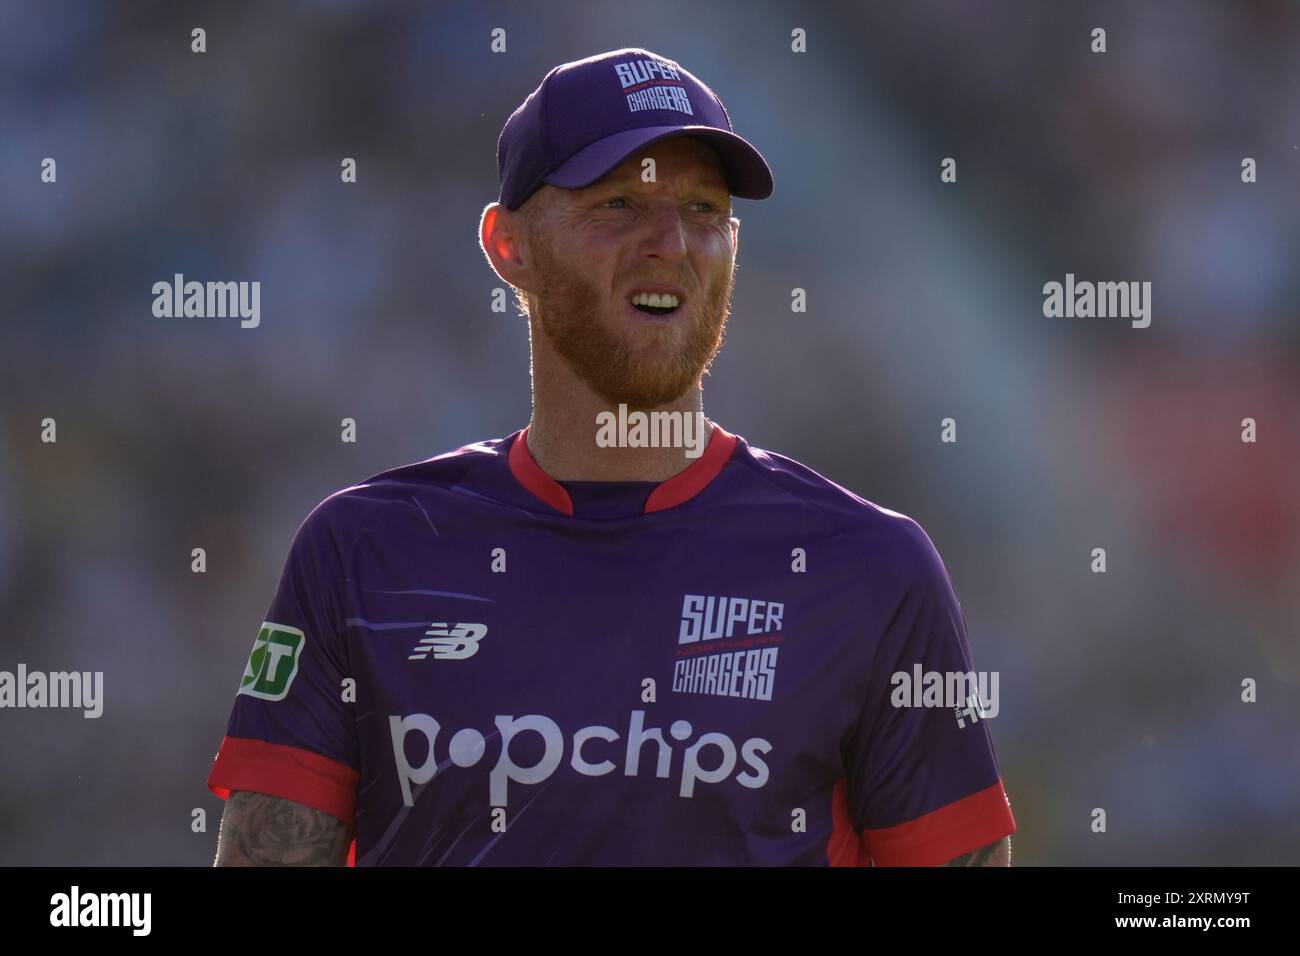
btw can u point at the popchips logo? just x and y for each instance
(467, 747)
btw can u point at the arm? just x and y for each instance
(258, 829)
(995, 854)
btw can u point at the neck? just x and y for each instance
(563, 431)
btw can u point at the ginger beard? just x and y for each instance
(640, 364)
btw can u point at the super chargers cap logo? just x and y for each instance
(273, 664)
(668, 94)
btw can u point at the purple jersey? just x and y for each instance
(472, 663)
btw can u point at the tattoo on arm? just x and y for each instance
(995, 854)
(258, 829)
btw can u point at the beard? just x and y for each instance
(640, 364)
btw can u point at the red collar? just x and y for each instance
(683, 486)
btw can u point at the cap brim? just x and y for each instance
(748, 175)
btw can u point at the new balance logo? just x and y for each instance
(453, 642)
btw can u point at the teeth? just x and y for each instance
(665, 301)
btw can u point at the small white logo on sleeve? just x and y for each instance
(974, 710)
(449, 642)
(102, 909)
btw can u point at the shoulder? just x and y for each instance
(344, 515)
(879, 533)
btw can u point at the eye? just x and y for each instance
(615, 199)
(710, 208)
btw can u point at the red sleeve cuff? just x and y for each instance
(941, 835)
(290, 772)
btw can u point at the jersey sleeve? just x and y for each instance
(922, 782)
(291, 732)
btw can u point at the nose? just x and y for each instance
(665, 236)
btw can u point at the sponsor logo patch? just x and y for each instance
(273, 664)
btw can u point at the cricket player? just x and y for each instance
(622, 634)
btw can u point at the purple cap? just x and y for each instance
(587, 116)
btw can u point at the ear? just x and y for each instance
(501, 237)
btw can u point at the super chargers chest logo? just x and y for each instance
(727, 646)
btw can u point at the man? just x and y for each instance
(570, 646)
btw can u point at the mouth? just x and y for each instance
(656, 304)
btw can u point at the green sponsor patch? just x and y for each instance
(273, 663)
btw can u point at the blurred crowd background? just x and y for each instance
(1119, 690)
